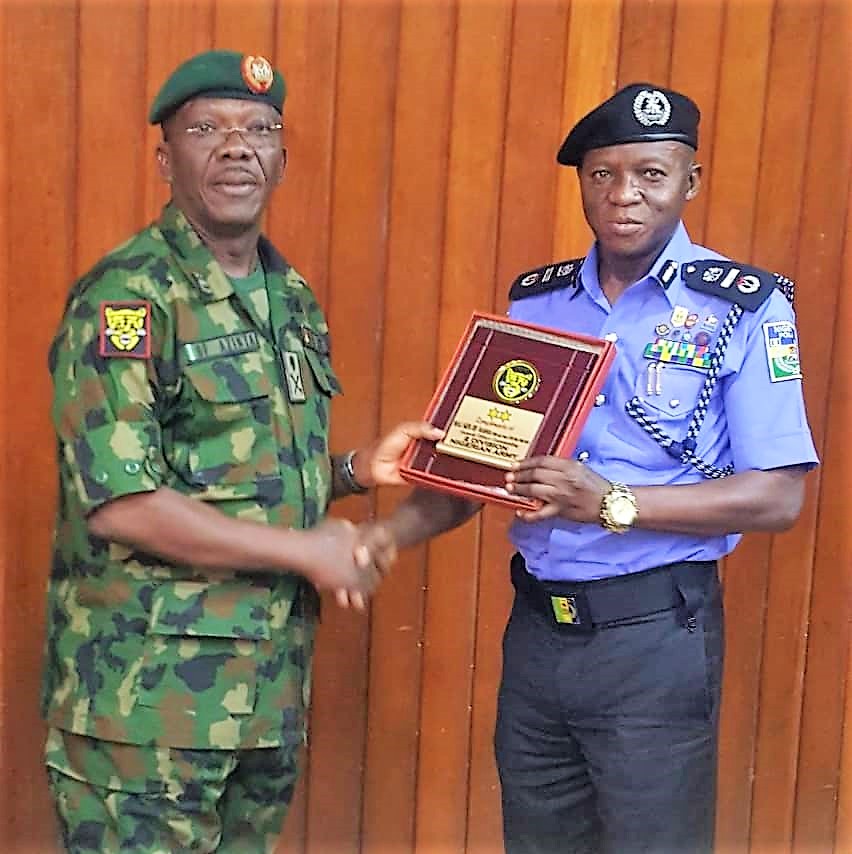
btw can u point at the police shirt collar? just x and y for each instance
(665, 270)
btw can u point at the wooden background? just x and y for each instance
(422, 179)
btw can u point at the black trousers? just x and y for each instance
(606, 742)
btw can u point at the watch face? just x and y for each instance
(622, 510)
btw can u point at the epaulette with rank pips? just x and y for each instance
(748, 287)
(551, 277)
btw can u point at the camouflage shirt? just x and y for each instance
(164, 375)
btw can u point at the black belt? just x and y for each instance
(585, 605)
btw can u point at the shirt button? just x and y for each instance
(611, 336)
(101, 477)
(583, 456)
(132, 467)
(674, 403)
(600, 400)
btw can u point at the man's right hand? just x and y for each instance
(377, 546)
(335, 559)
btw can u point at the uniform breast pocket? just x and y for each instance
(201, 649)
(228, 422)
(669, 392)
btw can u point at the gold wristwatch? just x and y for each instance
(619, 510)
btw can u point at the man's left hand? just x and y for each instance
(378, 463)
(566, 488)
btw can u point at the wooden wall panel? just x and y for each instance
(483, 33)
(823, 788)
(594, 28)
(109, 151)
(6, 808)
(41, 214)
(357, 261)
(421, 180)
(306, 39)
(696, 56)
(787, 130)
(409, 364)
(730, 229)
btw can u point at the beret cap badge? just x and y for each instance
(652, 107)
(257, 73)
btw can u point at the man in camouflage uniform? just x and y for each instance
(192, 390)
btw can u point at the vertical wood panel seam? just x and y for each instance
(723, 30)
(762, 710)
(73, 179)
(380, 358)
(436, 367)
(847, 248)
(498, 207)
(332, 163)
(672, 34)
(554, 184)
(755, 213)
(141, 174)
(452, 53)
(622, 12)
(815, 559)
(812, 567)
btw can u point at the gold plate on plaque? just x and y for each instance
(488, 432)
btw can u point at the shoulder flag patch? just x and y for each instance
(551, 277)
(782, 351)
(126, 329)
(746, 286)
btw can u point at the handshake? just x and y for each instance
(350, 559)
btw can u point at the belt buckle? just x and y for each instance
(571, 611)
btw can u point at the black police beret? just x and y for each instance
(219, 74)
(640, 112)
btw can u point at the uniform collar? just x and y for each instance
(665, 271)
(196, 261)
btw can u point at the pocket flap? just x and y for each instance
(226, 609)
(325, 377)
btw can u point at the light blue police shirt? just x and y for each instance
(753, 421)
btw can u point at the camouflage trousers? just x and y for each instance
(113, 798)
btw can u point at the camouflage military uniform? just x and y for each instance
(165, 376)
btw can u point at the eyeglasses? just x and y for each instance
(258, 136)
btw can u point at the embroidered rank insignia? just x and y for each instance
(782, 351)
(748, 287)
(667, 272)
(293, 375)
(126, 329)
(552, 277)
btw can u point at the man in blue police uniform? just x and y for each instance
(606, 735)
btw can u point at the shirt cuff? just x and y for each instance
(772, 452)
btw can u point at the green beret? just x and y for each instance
(219, 74)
